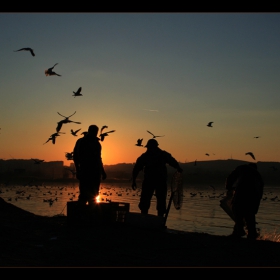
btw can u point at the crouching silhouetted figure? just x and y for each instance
(246, 185)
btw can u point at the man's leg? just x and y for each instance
(146, 196)
(161, 194)
(251, 226)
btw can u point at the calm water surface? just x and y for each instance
(200, 211)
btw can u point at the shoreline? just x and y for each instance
(29, 240)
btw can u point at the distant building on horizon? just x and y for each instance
(49, 170)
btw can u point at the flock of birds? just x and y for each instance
(52, 137)
(66, 120)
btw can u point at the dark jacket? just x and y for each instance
(153, 163)
(87, 155)
(247, 184)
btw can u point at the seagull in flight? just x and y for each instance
(103, 134)
(78, 92)
(66, 120)
(207, 154)
(37, 161)
(250, 154)
(154, 136)
(74, 133)
(257, 137)
(53, 137)
(139, 142)
(69, 156)
(50, 72)
(210, 124)
(26, 49)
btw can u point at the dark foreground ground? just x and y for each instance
(28, 241)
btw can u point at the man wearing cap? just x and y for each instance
(153, 163)
(89, 166)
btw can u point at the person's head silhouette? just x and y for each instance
(152, 144)
(93, 130)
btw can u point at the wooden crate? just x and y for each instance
(108, 212)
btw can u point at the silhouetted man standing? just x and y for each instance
(246, 184)
(89, 166)
(153, 162)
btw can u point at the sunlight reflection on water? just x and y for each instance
(200, 211)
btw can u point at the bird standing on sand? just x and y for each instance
(154, 136)
(26, 49)
(74, 133)
(66, 120)
(250, 154)
(139, 142)
(210, 124)
(50, 72)
(78, 92)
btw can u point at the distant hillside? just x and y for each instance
(208, 172)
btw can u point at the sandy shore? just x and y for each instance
(28, 240)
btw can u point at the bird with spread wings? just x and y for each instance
(53, 137)
(26, 49)
(139, 142)
(74, 132)
(78, 92)
(154, 136)
(50, 72)
(103, 134)
(251, 154)
(66, 120)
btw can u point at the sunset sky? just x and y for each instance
(169, 73)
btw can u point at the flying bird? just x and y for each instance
(154, 136)
(102, 128)
(257, 137)
(139, 143)
(66, 120)
(207, 154)
(26, 49)
(53, 137)
(78, 92)
(50, 72)
(210, 124)
(250, 154)
(103, 134)
(69, 156)
(37, 161)
(74, 133)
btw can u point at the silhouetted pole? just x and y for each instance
(168, 207)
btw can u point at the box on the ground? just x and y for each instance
(109, 212)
